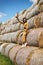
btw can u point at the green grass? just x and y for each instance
(5, 61)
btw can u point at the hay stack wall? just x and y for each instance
(34, 37)
(22, 55)
(11, 33)
(34, 10)
(34, 22)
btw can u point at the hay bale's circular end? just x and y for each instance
(2, 48)
(41, 39)
(37, 22)
(41, 6)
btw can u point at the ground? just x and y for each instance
(5, 61)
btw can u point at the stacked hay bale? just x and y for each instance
(11, 36)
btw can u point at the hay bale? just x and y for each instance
(11, 28)
(7, 49)
(35, 11)
(2, 48)
(4, 25)
(22, 55)
(33, 6)
(13, 52)
(36, 21)
(34, 36)
(10, 37)
(37, 57)
(9, 22)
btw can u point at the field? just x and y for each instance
(5, 61)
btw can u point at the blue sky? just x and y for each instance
(8, 8)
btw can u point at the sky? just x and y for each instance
(8, 8)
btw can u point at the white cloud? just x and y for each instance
(34, 1)
(2, 14)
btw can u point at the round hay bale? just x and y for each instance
(11, 37)
(41, 6)
(37, 22)
(22, 55)
(33, 37)
(13, 52)
(2, 48)
(7, 49)
(33, 12)
(9, 22)
(38, 8)
(37, 57)
(11, 28)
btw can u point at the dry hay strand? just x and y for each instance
(37, 22)
(41, 39)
